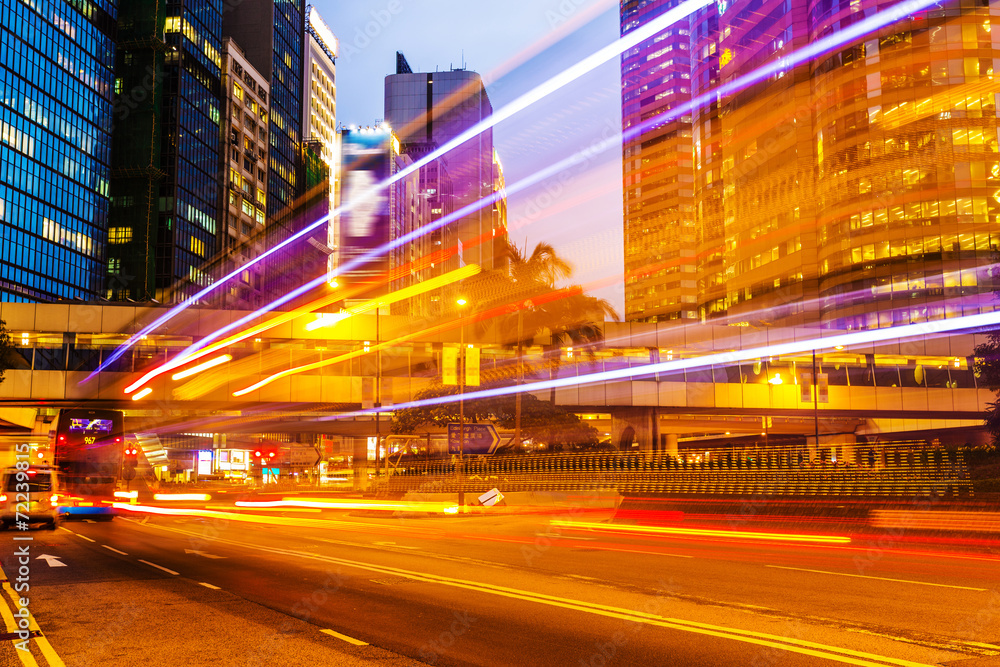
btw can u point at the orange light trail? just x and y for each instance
(697, 532)
(387, 277)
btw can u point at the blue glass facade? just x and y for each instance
(270, 33)
(165, 190)
(56, 61)
(190, 144)
(286, 105)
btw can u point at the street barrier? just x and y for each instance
(903, 473)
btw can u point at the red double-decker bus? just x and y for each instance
(88, 447)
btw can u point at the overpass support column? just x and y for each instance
(635, 425)
(671, 445)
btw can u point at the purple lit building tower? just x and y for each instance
(854, 190)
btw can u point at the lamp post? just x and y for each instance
(461, 409)
(378, 394)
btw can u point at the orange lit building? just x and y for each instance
(858, 189)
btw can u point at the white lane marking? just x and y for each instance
(201, 553)
(791, 644)
(349, 640)
(53, 561)
(158, 567)
(398, 546)
(85, 537)
(214, 588)
(67, 530)
(113, 549)
(864, 576)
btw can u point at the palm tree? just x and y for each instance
(538, 306)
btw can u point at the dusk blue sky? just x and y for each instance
(580, 213)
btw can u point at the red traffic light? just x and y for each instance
(272, 454)
(257, 454)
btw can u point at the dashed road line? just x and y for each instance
(85, 537)
(158, 567)
(214, 588)
(865, 576)
(782, 643)
(349, 640)
(113, 549)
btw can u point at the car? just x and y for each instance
(31, 496)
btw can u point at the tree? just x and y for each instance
(987, 369)
(567, 314)
(541, 421)
(6, 350)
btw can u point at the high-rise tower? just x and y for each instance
(165, 184)
(855, 190)
(56, 114)
(428, 109)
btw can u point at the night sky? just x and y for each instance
(515, 45)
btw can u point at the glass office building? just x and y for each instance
(659, 231)
(428, 109)
(166, 181)
(854, 190)
(271, 35)
(56, 89)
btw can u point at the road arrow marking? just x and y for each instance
(201, 553)
(53, 561)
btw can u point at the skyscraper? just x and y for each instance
(428, 109)
(56, 92)
(165, 184)
(659, 229)
(270, 34)
(244, 154)
(856, 190)
(319, 119)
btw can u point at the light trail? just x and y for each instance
(525, 100)
(833, 41)
(466, 271)
(699, 532)
(194, 370)
(507, 308)
(721, 358)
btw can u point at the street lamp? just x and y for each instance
(461, 407)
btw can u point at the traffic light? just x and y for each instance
(131, 455)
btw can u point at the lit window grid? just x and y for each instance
(55, 238)
(977, 210)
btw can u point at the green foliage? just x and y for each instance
(6, 349)
(540, 420)
(987, 368)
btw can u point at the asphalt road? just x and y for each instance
(310, 588)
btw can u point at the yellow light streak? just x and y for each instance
(698, 532)
(281, 318)
(126, 494)
(142, 394)
(400, 506)
(181, 496)
(453, 275)
(466, 271)
(194, 370)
